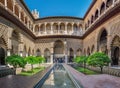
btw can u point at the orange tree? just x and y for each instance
(98, 59)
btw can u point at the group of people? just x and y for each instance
(59, 60)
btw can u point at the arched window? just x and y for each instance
(96, 14)
(10, 4)
(69, 27)
(2, 1)
(16, 10)
(92, 19)
(48, 28)
(102, 8)
(36, 29)
(109, 3)
(22, 16)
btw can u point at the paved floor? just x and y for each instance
(95, 81)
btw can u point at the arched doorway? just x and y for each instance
(47, 55)
(59, 52)
(38, 53)
(115, 58)
(115, 50)
(2, 56)
(2, 51)
(15, 42)
(102, 44)
(71, 55)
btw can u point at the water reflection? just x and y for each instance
(58, 78)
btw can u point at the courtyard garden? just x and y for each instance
(97, 59)
(34, 63)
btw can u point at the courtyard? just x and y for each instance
(59, 44)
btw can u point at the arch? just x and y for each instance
(92, 19)
(47, 55)
(79, 52)
(26, 20)
(36, 28)
(69, 27)
(24, 51)
(15, 42)
(109, 3)
(62, 28)
(75, 27)
(96, 14)
(2, 1)
(48, 28)
(10, 4)
(102, 8)
(88, 23)
(88, 51)
(17, 10)
(59, 51)
(92, 49)
(102, 41)
(85, 52)
(71, 55)
(55, 28)
(3, 48)
(38, 52)
(29, 51)
(22, 16)
(42, 28)
(58, 47)
(115, 50)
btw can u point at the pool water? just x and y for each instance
(58, 78)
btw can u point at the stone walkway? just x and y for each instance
(95, 81)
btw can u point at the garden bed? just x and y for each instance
(30, 73)
(86, 71)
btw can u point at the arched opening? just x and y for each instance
(15, 42)
(103, 41)
(96, 14)
(102, 8)
(10, 4)
(115, 58)
(38, 53)
(2, 51)
(109, 3)
(42, 28)
(26, 19)
(55, 28)
(88, 51)
(48, 28)
(75, 28)
(47, 55)
(92, 49)
(92, 19)
(71, 55)
(69, 28)
(2, 1)
(24, 51)
(85, 52)
(115, 50)
(59, 52)
(29, 52)
(16, 10)
(36, 29)
(22, 16)
(62, 28)
(79, 52)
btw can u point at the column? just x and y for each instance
(66, 28)
(72, 27)
(51, 28)
(8, 52)
(45, 28)
(51, 57)
(5, 4)
(65, 52)
(58, 28)
(19, 13)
